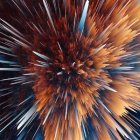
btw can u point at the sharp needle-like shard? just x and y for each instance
(49, 15)
(41, 56)
(83, 17)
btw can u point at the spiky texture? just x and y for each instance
(82, 70)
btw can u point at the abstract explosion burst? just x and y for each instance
(69, 69)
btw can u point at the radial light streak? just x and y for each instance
(70, 68)
(83, 17)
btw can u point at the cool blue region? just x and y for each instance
(83, 17)
(39, 135)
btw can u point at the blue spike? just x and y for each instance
(83, 17)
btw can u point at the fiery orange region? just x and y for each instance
(64, 91)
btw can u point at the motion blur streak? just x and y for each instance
(72, 65)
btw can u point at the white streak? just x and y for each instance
(83, 17)
(98, 49)
(10, 69)
(41, 55)
(49, 15)
(47, 115)
(26, 117)
(109, 88)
